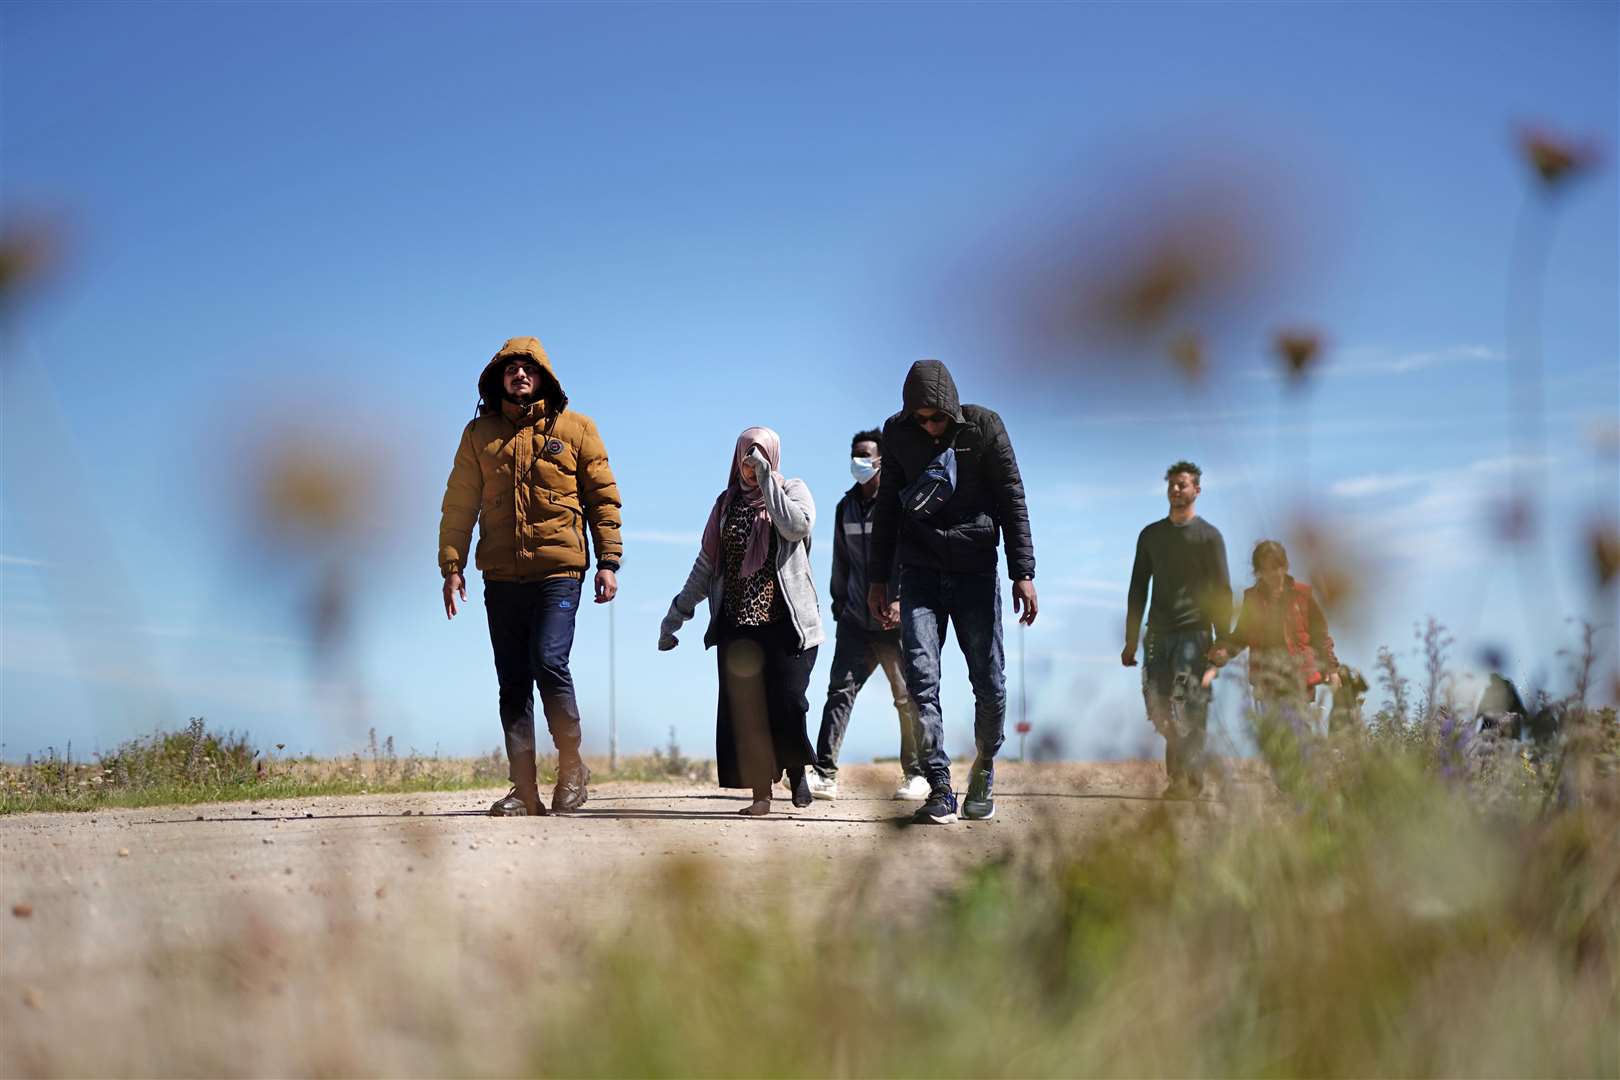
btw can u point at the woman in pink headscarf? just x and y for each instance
(754, 569)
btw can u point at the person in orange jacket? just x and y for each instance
(533, 475)
(1285, 631)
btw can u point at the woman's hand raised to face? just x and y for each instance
(756, 461)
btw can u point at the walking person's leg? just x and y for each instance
(787, 682)
(551, 642)
(853, 663)
(976, 611)
(507, 606)
(742, 677)
(1157, 680)
(912, 778)
(1191, 652)
(922, 634)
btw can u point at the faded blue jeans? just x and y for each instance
(1173, 666)
(929, 599)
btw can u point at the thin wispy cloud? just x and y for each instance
(672, 537)
(216, 635)
(1444, 517)
(1084, 600)
(1365, 360)
(1372, 484)
(18, 560)
(1091, 584)
(1377, 361)
(1377, 484)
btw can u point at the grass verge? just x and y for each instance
(197, 765)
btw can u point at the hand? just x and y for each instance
(454, 585)
(1334, 680)
(1024, 601)
(1128, 657)
(607, 585)
(667, 642)
(885, 611)
(756, 461)
(1209, 677)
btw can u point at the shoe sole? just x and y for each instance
(930, 819)
(824, 796)
(972, 816)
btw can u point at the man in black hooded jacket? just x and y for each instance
(947, 570)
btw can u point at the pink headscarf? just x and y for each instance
(759, 539)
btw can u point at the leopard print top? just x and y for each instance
(754, 600)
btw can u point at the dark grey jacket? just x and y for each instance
(989, 500)
(852, 552)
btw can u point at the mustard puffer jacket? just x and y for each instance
(533, 479)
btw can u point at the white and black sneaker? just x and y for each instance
(940, 809)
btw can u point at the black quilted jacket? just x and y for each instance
(989, 499)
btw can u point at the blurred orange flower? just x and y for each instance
(1554, 157)
(1606, 553)
(1187, 350)
(1299, 350)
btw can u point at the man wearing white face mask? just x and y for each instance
(863, 645)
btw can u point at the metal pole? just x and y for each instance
(1023, 691)
(613, 697)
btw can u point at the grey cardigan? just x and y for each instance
(793, 512)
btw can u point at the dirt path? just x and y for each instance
(98, 906)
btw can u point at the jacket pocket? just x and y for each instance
(568, 519)
(978, 533)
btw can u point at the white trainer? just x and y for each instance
(820, 788)
(913, 789)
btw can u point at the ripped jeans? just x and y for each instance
(1173, 666)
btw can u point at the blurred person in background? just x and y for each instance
(1184, 557)
(949, 488)
(863, 642)
(1286, 633)
(753, 567)
(534, 475)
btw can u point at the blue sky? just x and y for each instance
(311, 225)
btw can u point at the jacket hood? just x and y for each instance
(929, 385)
(524, 348)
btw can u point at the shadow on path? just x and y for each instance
(610, 814)
(605, 809)
(266, 818)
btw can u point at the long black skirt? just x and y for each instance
(760, 722)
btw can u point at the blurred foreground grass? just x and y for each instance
(1384, 916)
(1415, 897)
(197, 765)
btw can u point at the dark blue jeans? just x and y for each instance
(1173, 665)
(929, 599)
(531, 626)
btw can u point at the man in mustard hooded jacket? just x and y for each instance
(534, 475)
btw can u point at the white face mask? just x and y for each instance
(863, 469)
